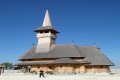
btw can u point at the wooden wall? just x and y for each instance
(70, 68)
(97, 68)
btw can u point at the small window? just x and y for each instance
(53, 39)
(51, 31)
(101, 66)
(50, 67)
(38, 67)
(60, 66)
(47, 31)
(41, 31)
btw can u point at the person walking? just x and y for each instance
(41, 74)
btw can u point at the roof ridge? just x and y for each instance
(78, 50)
(87, 46)
(64, 44)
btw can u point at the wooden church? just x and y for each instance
(62, 58)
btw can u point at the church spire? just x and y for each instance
(46, 21)
(46, 25)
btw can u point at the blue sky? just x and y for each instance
(83, 21)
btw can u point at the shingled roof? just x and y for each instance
(45, 28)
(57, 61)
(56, 51)
(65, 60)
(68, 60)
(94, 56)
(91, 54)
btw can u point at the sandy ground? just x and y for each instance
(88, 76)
(59, 77)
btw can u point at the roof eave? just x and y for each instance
(37, 30)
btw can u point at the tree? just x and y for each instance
(7, 65)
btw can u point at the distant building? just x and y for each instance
(62, 58)
(1, 66)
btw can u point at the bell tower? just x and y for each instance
(46, 34)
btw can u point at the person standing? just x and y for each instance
(29, 69)
(3, 70)
(41, 74)
(0, 71)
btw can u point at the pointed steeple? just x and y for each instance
(46, 21)
(46, 24)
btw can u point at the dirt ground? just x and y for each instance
(10, 75)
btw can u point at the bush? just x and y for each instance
(49, 72)
(33, 72)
